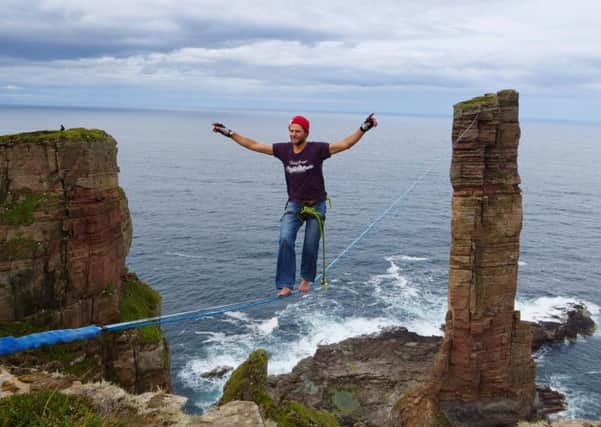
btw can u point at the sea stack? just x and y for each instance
(484, 371)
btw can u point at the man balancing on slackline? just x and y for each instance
(302, 161)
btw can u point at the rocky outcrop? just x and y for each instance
(575, 321)
(548, 401)
(562, 423)
(359, 379)
(111, 403)
(249, 382)
(484, 374)
(65, 231)
(235, 413)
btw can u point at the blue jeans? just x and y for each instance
(289, 225)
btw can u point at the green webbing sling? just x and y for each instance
(309, 210)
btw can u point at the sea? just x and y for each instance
(206, 215)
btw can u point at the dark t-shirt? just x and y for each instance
(304, 174)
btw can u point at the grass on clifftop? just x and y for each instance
(68, 135)
(489, 99)
(50, 408)
(139, 301)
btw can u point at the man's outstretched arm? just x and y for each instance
(353, 138)
(244, 141)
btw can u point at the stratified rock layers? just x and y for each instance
(64, 226)
(485, 370)
(65, 231)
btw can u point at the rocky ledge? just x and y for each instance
(359, 379)
(575, 320)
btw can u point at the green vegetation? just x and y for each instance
(489, 99)
(50, 408)
(109, 291)
(20, 211)
(17, 329)
(139, 301)
(295, 414)
(345, 402)
(18, 248)
(249, 381)
(51, 136)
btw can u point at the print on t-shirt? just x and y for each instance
(303, 171)
(298, 166)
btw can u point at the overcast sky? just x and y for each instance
(384, 56)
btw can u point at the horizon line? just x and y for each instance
(272, 109)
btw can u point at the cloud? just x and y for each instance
(251, 49)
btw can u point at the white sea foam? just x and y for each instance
(321, 329)
(182, 255)
(267, 326)
(522, 263)
(400, 301)
(407, 258)
(577, 400)
(409, 303)
(238, 315)
(552, 309)
(400, 297)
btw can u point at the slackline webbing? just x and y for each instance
(10, 345)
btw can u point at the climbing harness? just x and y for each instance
(9, 345)
(311, 211)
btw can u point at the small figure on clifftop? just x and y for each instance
(302, 162)
(62, 128)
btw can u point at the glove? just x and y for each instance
(220, 128)
(369, 123)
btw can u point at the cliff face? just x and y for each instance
(65, 231)
(64, 226)
(485, 368)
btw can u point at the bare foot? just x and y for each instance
(304, 286)
(284, 292)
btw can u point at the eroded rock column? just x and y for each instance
(485, 371)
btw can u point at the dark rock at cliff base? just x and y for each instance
(548, 401)
(575, 321)
(218, 372)
(359, 379)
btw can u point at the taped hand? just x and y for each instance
(220, 128)
(370, 122)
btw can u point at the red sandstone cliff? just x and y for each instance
(485, 372)
(65, 231)
(65, 228)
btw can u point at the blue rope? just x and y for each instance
(378, 219)
(9, 345)
(189, 315)
(195, 315)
